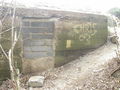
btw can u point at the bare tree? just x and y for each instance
(14, 72)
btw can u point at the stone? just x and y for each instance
(36, 81)
(114, 39)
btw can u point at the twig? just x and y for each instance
(5, 38)
(7, 12)
(4, 51)
(5, 31)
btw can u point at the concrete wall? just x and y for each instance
(62, 39)
(37, 65)
(58, 37)
(53, 40)
(37, 36)
(76, 35)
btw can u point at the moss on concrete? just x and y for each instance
(87, 35)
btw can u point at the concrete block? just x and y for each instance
(33, 43)
(50, 53)
(36, 81)
(37, 65)
(37, 42)
(42, 24)
(37, 36)
(38, 48)
(41, 42)
(33, 55)
(49, 42)
(37, 30)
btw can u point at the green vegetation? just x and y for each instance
(115, 11)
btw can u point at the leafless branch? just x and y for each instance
(4, 51)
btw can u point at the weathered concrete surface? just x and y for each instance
(38, 53)
(37, 35)
(37, 65)
(69, 32)
(36, 81)
(79, 34)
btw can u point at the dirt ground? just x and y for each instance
(89, 72)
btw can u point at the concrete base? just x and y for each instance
(37, 65)
(36, 81)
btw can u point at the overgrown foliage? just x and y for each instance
(115, 11)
